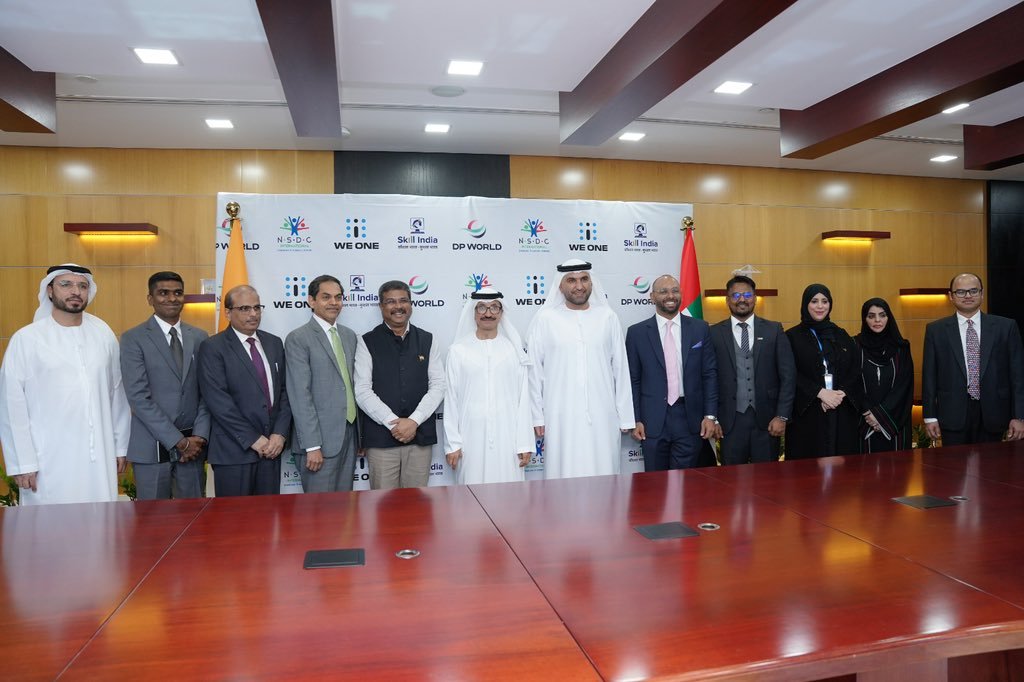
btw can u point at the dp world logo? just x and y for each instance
(418, 285)
(642, 285)
(478, 282)
(476, 229)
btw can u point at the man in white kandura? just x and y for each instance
(64, 417)
(487, 422)
(580, 391)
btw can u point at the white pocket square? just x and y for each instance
(697, 345)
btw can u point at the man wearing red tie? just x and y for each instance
(675, 385)
(972, 382)
(242, 380)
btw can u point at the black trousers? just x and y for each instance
(745, 442)
(262, 477)
(974, 428)
(675, 447)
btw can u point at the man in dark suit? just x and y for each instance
(242, 379)
(170, 424)
(972, 382)
(675, 388)
(321, 356)
(756, 378)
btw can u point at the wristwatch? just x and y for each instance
(711, 417)
(785, 419)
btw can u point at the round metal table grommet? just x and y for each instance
(407, 553)
(959, 498)
(708, 526)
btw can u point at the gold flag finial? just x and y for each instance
(687, 223)
(233, 208)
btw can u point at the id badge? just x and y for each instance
(828, 381)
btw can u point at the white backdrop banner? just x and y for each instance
(446, 248)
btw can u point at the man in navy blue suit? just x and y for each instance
(242, 380)
(675, 386)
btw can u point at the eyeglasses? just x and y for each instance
(964, 293)
(666, 291)
(493, 308)
(396, 301)
(742, 295)
(246, 309)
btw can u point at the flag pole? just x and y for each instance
(689, 276)
(235, 271)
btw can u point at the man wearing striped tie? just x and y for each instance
(320, 356)
(972, 382)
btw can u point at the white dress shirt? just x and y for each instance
(166, 328)
(737, 333)
(375, 408)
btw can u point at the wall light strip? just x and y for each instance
(200, 298)
(924, 291)
(111, 229)
(855, 235)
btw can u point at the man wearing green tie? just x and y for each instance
(320, 356)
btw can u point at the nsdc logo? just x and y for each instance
(295, 240)
(478, 282)
(642, 285)
(640, 243)
(537, 240)
(418, 285)
(476, 230)
(356, 231)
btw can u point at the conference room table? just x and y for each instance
(790, 571)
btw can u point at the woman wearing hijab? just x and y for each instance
(887, 375)
(827, 410)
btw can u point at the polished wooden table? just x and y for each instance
(814, 572)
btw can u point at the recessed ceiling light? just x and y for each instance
(448, 91)
(956, 108)
(436, 128)
(631, 137)
(461, 68)
(943, 158)
(148, 56)
(732, 88)
(219, 123)
(345, 132)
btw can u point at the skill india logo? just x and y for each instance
(642, 285)
(418, 285)
(534, 226)
(478, 282)
(476, 229)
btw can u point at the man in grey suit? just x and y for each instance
(242, 378)
(756, 378)
(972, 382)
(320, 356)
(170, 424)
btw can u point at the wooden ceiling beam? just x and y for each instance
(994, 147)
(670, 44)
(301, 38)
(977, 62)
(28, 99)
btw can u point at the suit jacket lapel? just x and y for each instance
(987, 341)
(655, 338)
(271, 361)
(243, 355)
(156, 336)
(953, 336)
(325, 343)
(724, 330)
(685, 341)
(188, 347)
(755, 345)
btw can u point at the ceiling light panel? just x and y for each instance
(152, 56)
(436, 128)
(464, 68)
(732, 88)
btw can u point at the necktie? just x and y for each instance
(671, 369)
(176, 351)
(744, 338)
(973, 362)
(261, 371)
(339, 355)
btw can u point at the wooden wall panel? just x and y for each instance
(773, 219)
(42, 188)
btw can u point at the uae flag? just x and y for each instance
(235, 272)
(689, 279)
